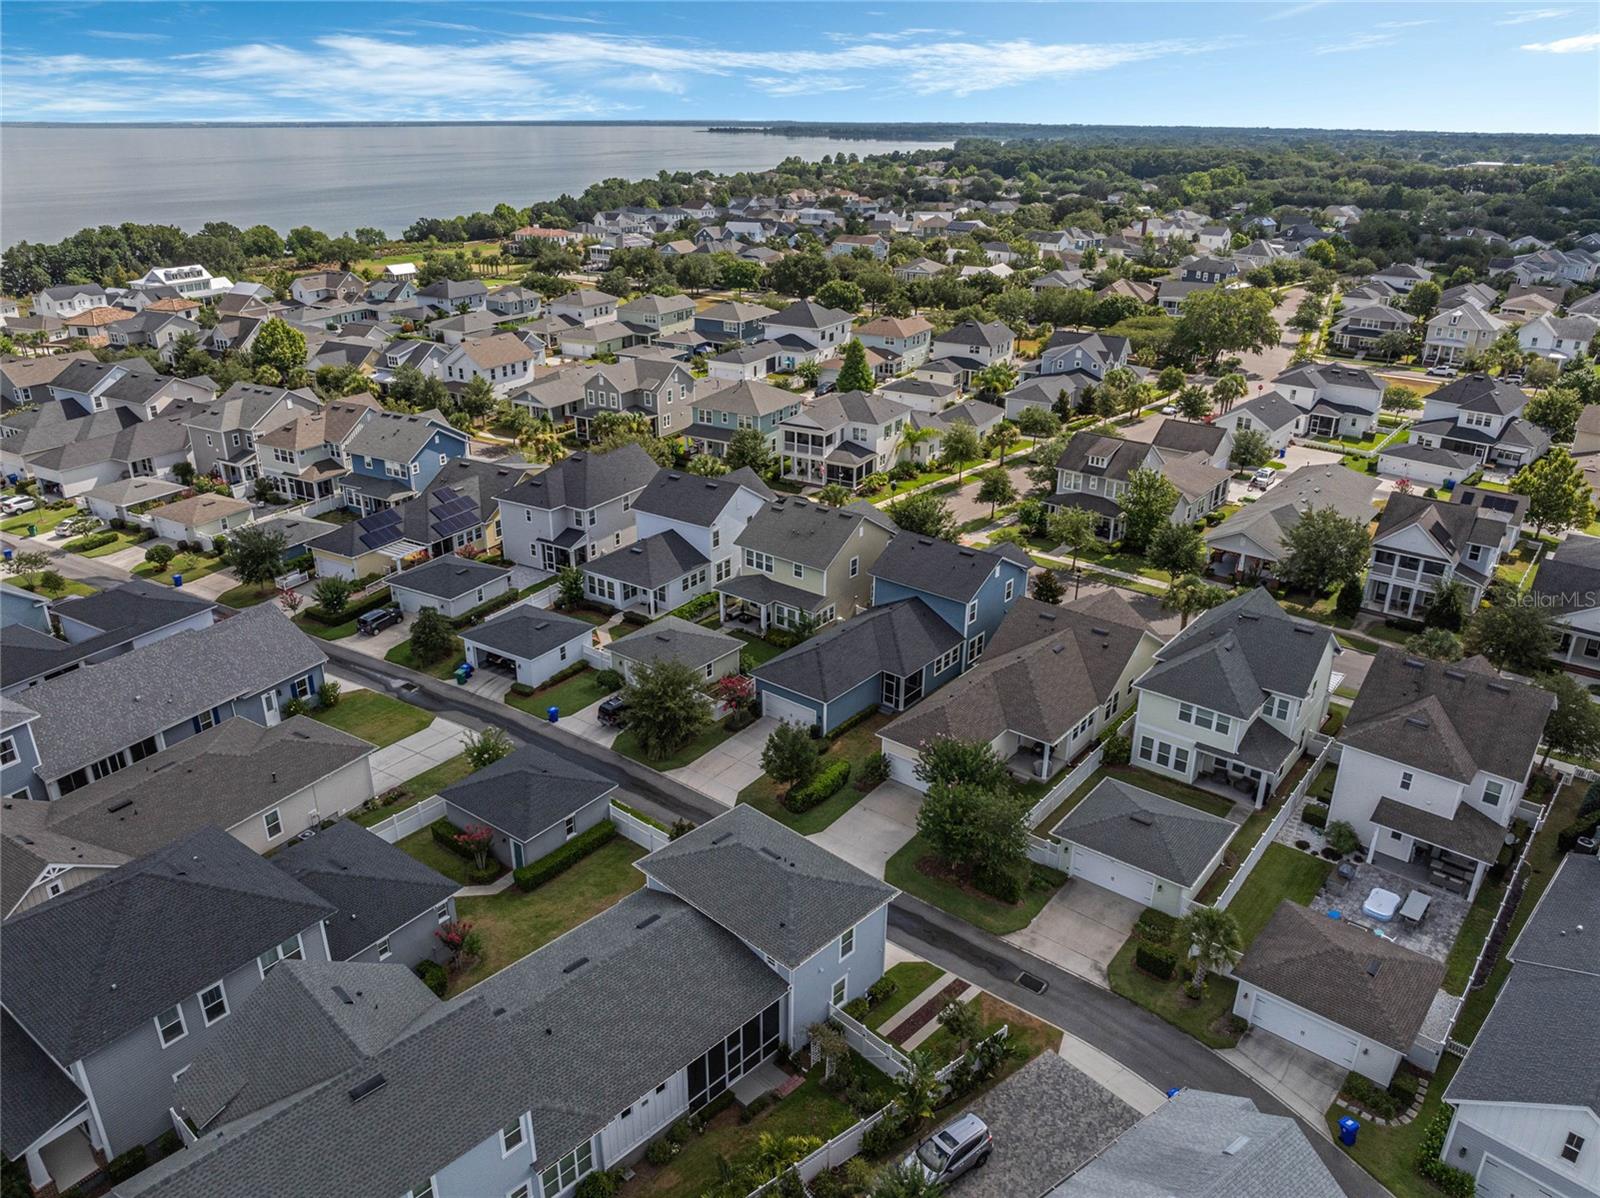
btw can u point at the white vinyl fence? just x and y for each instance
(412, 819)
(1285, 813)
(1070, 781)
(647, 836)
(879, 1053)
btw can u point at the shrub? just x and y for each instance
(522, 690)
(1341, 837)
(1156, 927)
(447, 834)
(537, 873)
(469, 618)
(740, 720)
(294, 707)
(120, 1168)
(482, 877)
(1567, 838)
(696, 607)
(874, 772)
(602, 1183)
(1315, 814)
(1591, 799)
(608, 680)
(636, 618)
(159, 555)
(169, 1142)
(857, 1008)
(1454, 1182)
(329, 694)
(678, 1134)
(883, 988)
(755, 1106)
(881, 1136)
(660, 1151)
(1004, 883)
(824, 784)
(323, 615)
(1155, 960)
(1118, 749)
(433, 976)
(1404, 1086)
(333, 594)
(1367, 1093)
(82, 545)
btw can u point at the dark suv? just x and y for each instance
(613, 710)
(370, 623)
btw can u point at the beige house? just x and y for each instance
(201, 519)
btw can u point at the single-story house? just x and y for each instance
(705, 650)
(1337, 990)
(533, 801)
(529, 641)
(201, 519)
(1426, 465)
(1142, 846)
(121, 500)
(452, 585)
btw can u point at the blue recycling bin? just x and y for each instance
(7, 553)
(553, 714)
(177, 580)
(1174, 1091)
(1348, 1128)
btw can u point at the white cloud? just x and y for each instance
(1404, 24)
(121, 35)
(1526, 15)
(1356, 42)
(1295, 10)
(1567, 45)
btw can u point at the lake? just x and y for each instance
(61, 178)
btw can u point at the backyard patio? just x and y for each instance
(1432, 936)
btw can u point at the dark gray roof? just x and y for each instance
(98, 709)
(1430, 455)
(1123, 457)
(37, 1094)
(527, 791)
(375, 888)
(1448, 718)
(447, 577)
(1570, 577)
(678, 495)
(766, 884)
(526, 631)
(1129, 824)
(1206, 1145)
(746, 397)
(1189, 436)
(1230, 656)
(586, 480)
(122, 613)
(896, 638)
(1268, 520)
(991, 334)
(677, 640)
(1481, 393)
(798, 530)
(1343, 973)
(804, 314)
(944, 568)
(758, 588)
(1329, 374)
(396, 436)
(126, 963)
(1452, 526)
(1468, 832)
(652, 562)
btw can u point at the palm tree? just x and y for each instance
(910, 438)
(905, 1181)
(1190, 595)
(542, 442)
(1228, 389)
(1213, 938)
(916, 1089)
(834, 495)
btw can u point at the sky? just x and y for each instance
(1326, 63)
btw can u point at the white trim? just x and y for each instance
(183, 1025)
(844, 953)
(82, 1078)
(522, 1136)
(226, 1008)
(267, 819)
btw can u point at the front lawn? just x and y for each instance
(247, 594)
(1033, 1036)
(191, 566)
(1170, 788)
(69, 586)
(916, 870)
(1390, 1153)
(325, 632)
(444, 667)
(911, 978)
(373, 717)
(43, 519)
(424, 786)
(1209, 1020)
(855, 745)
(570, 695)
(126, 539)
(628, 745)
(513, 923)
(1282, 873)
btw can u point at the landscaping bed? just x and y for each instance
(422, 845)
(928, 1012)
(414, 790)
(855, 745)
(1390, 1152)
(1033, 1036)
(373, 717)
(1208, 1019)
(916, 870)
(192, 566)
(910, 979)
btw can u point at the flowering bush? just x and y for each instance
(734, 690)
(465, 944)
(476, 839)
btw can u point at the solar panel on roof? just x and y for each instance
(380, 528)
(450, 512)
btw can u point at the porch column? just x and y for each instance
(1261, 791)
(38, 1175)
(722, 608)
(1044, 762)
(1480, 868)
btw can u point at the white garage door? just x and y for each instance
(1113, 875)
(780, 708)
(1501, 1181)
(904, 769)
(1307, 1031)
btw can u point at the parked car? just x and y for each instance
(1263, 478)
(953, 1150)
(12, 504)
(613, 710)
(1442, 372)
(1169, 410)
(370, 623)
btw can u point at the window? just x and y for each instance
(855, 566)
(975, 648)
(511, 1137)
(274, 824)
(840, 989)
(384, 951)
(1406, 778)
(1011, 589)
(972, 611)
(301, 687)
(525, 1190)
(799, 570)
(425, 1190)
(170, 1026)
(847, 943)
(213, 1003)
(1573, 1148)
(946, 659)
(758, 561)
(566, 1171)
(716, 538)
(8, 750)
(289, 950)
(1493, 792)
(571, 826)
(442, 913)
(52, 889)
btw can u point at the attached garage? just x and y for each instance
(1502, 1181)
(780, 706)
(1112, 875)
(1305, 1030)
(903, 763)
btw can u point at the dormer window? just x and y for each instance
(1099, 463)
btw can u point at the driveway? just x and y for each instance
(1272, 361)
(1080, 929)
(586, 723)
(380, 642)
(435, 744)
(875, 829)
(1301, 1080)
(721, 773)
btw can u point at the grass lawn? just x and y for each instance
(855, 745)
(911, 484)
(1239, 848)
(325, 632)
(1167, 787)
(70, 586)
(906, 870)
(1359, 643)
(570, 695)
(1034, 1035)
(44, 519)
(126, 539)
(444, 667)
(374, 717)
(1282, 873)
(1321, 788)
(514, 923)
(628, 745)
(1517, 567)
(758, 650)
(1389, 1153)
(424, 786)
(912, 978)
(421, 845)
(192, 566)
(247, 594)
(1206, 1020)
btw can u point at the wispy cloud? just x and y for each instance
(1403, 24)
(1295, 10)
(1357, 41)
(1523, 16)
(120, 35)
(1567, 45)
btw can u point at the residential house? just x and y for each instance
(451, 585)
(1568, 585)
(723, 408)
(1250, 543)
(107, 1071)
(1361, 325)
(1066, 278)
(561, 237)
(27, 380)
(1421, 544)
(1524, 302)
(1434, 759)
(577, 509)
(842, 438)
(1170, 293)
(232, 334)
(452, 295)
(1235, 698)
(971, 589)
(1460, 333)
(1270, 414)
(453, 330)
(304, 458)
(806, 332)
(222, 435)
(732, 321)
(906, 341)
(397, 454)
(555, 394)
(512, 300)
(324, 285)
(709, 653)
(1338, 401)
(192, 281)
(1206, 269)
(1091, 354)
(504, 360)
(1481, 416)
(527, 642)
(982, 418)
(201, 519)
(973, 345)
(920, 395)
(1557, 266)
(847, 243)
(802, 559)
(20, 609)
(745, 362)
(919, 270)
(1204, 441)
(155, 330)
(659, 313)
(1559, 339)
(1094, 472)
(1402, 276)
(1051, 680)
(654, 389)
(1425, 466)
(102, 454)
(533, 800)
(68, 300)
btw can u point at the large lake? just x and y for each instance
(59, 179)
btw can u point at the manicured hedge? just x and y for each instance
(445, 833)
(1156, 927)
(93, 541)
(1155, 960)
(1315, 814)
(372, 602)
(824, 784)
(1455, 1182)
(433, 976)
(469, 618)
(537, 873)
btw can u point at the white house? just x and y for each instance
(1420, 544)
(452, 585)
(504, 359)
(530, 643)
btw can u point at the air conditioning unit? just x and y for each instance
(307, 834)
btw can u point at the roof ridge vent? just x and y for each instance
(575, 966)
(343, 996)
(369, 1087)
(1500, 688)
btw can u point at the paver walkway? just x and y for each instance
(435, 744)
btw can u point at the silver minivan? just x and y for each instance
(954, 1149)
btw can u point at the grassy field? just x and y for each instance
(1389, 1153)
(1282, 873)
(247, 594)
(855, 745)
(915, 870)
(628, 745)
(424, 786)
(374, 717)
(444, 667)
(570, 695)
(912, 978)
(513, 923)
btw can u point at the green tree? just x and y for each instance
(855, 374)
(996, 488)
(999, 440)
(1574, 726)
(1147, 503)
(485, 747)
(1324, 549)
(1515, 636)
(256, 554)
(29, 561)
(749, 447)
(477, 398)
(843, 295)
(1556, 411)
(949, 761)
(958, 447)
(901, 1180)
(1438, 643)
(333, 593)
(1392, 345)
(431, 636)
(51, 583)
(1422, 299)
(1451, 606)
(925, 514)
(569, 587)
(1213, 938)
(975, 828)
(1308, 315)
(280, 346)
(158, 555)
(1558, 495)
(1047, 587)
(1038, 422)
(963, 1024)
(1229, 389)
(1170, 379)
(1400, 398)
(1189, 596)
(1250, 449)
(666, 706)
(790, 754)
(1212, 323)
(834, 495)
(1177, 549)
(995, 379)
(1074, 528)
(1193, 403)
(917, 1089)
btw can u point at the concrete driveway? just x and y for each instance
(1301, 1080)
(722, 772)
(875, 829)
(434, 745)
(586, 723)
(1080, 929)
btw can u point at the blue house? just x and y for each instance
(396, 454)
(732, 322)
(935, 604)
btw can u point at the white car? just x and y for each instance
(12, 504)
(1442, 372)
(1169, 410)
(1263, 478)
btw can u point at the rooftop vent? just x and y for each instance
(576, 965)
(1455, 675)
(924, 541)
(1236, 1147)
(1143, 819)
(371, 1086)
(766, 852)
(1500, 688)
(1373, 965)
(1100, 632)
(1416, 721)
(647, 921)
(343, 996)
(1413, 663)
(723, 837)
(119, 805)
(967, 553)
(673, 477)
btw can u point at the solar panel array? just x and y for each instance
(380, 528)
(451, 512)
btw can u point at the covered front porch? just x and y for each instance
(757, 599)
(1038, 760)
(1453, 853)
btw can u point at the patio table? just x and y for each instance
(1416, 906)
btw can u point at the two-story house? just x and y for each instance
(722, 408)
(222, 435)
(1232, 701)
(1091, 354)
(1361, 325)
(1094, 471)
(842, 438)
(1459, 333)
(973, 345)
(1568, 586)
(687, 531)
(1559, 339)
(1433, 759)
(515, 301)
(1402, 276)
(732, 321)
(806, 332)
(1420, 544)
(1480, 416)
(799, 558)
(505, 360)
(393, 455)
(323, 285)
(454, 295)
(905, 340)
(69, 299)
(656, 389)
(104, 1007)
(1338, 401)
(1206, 269)
(579, 508)
(658, 314)
(305, 457)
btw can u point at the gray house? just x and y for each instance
(529, 642)
(705, 650)
(533, 800)
(451, 585)
(577, 509)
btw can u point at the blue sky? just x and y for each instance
(1531, 67)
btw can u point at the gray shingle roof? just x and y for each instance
(37, 1094)
(1569, 579)
(768, 885)
(798, 530)
(896, 638)
(1452, 526)
(1481, 393)
(122, 613)
(747, 397)
(1468, 832)
(1129, 824)
(526, 631)
(652, 562)
(676, 495)
(944, 568)
(448, 577)
(128, 963)
(1345, 974)
(586, 480)
(527, 791)
(1268, 520)
(1188, 436)
(395, 436)
(98, 709)
(804, 314)
(678, 640)
(374, 887)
